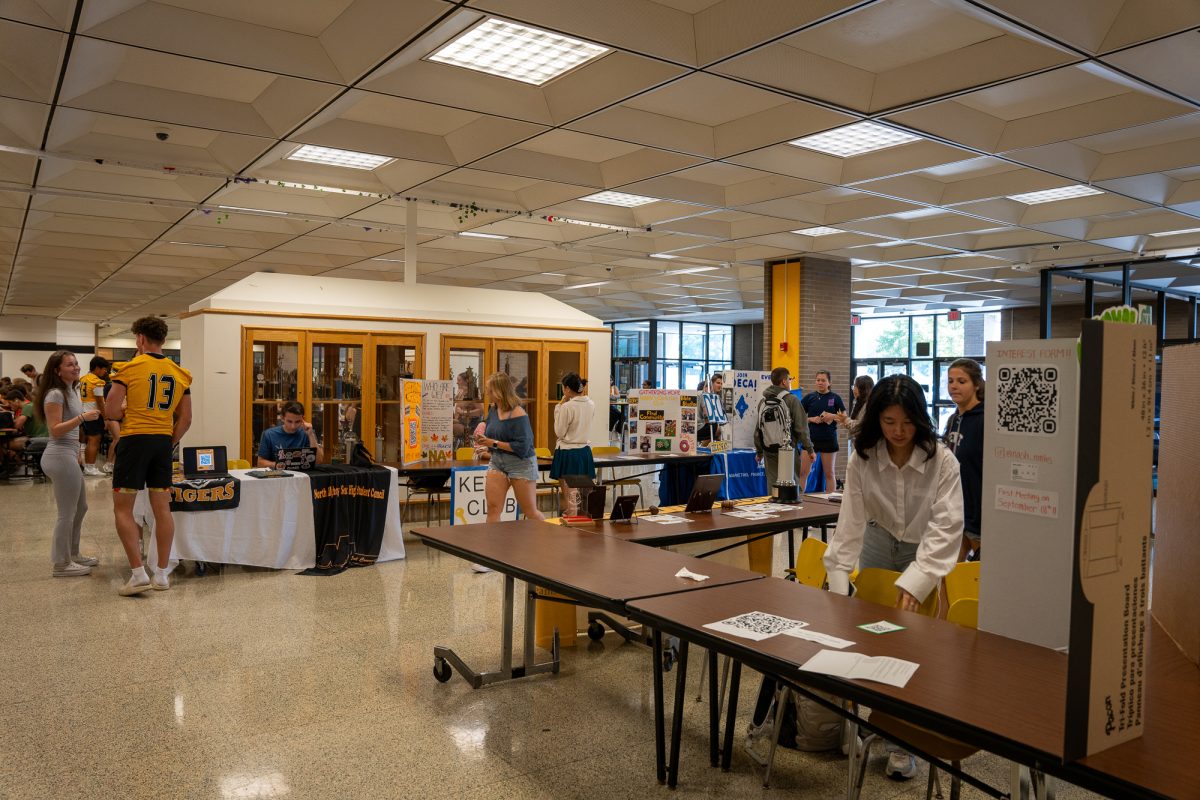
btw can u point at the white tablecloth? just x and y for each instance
(271, 527)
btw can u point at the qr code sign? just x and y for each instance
(762, 623)
(1027, 400)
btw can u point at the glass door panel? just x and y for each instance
(337, 369)
(271, 367)
(519, 361)
(396, 358)
(465, 362)
(561, 358)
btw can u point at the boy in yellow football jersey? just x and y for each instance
(91, 393)
(158, 412)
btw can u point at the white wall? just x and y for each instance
(44, 335)
(211, 343)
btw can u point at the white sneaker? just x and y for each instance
(70, 570)
(87, 561)
(901, 766)
(130, 588)
(92, 470)
(480, 568)
(160, 586)
(107, 468)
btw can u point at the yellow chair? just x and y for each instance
(965, 612)
(962, 582)
(464, 454)
(609, 450)
(239, 463)
(878, 586)
(810, 564)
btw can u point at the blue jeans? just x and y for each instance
(881, 550)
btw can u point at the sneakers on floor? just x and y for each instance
(131, 588)
(901, 766)
(107, 468)
(160, 584)
(87, 561)
(92, 471)
(480, 568)
(70, 570)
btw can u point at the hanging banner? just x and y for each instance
(437, 420)
(410, 420)
(468, 501)
(662, 421)
(742, 392)
(205, 494)
(349, 510)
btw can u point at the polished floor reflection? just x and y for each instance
(263, 684)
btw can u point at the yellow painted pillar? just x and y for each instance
(785, 279)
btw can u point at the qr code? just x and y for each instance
(1027, 400)
(762, 623)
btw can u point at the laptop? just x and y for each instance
(704, 493)
(299, 458)
(623, 507)
(205, 462)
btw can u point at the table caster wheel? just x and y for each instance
(441, 670)
(595, 631)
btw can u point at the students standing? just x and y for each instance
(572, 451)
(821, 409)
(964, 437)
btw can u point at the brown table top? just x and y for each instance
(1159, 761)
(714, 524)
(599, 570)
(1002, 694)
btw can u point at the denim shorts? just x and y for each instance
(513, 467)
(882, 550)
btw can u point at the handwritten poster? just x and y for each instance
(437, 420)
(410, 446)
(662, 421)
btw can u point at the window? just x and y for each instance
(631, 340)
(881, 338)
(685, 353)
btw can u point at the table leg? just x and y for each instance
(731, 714)
(677, 720)
(660, 756)
(792, 548)
(714, 711)
(506, 628)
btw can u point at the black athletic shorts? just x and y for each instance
(143, 462)
(93, 427)
(826, 447)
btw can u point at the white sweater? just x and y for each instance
(572, 419)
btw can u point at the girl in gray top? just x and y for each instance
(57, 403)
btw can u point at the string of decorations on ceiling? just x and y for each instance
(465, 210)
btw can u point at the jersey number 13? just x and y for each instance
(162, 392)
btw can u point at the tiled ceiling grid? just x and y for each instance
(692, 106)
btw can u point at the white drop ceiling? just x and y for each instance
(693, 106)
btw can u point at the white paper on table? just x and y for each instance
(820, 638)
(755, 625)
(856, 666)
(663, 519)
(830, 496)
(684, 572)
(749, 515)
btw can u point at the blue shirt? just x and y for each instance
(276, 439)
(816, 404)
(514, 430)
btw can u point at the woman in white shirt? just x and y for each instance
(902, 508)
(572, 421)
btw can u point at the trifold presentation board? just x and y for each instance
(427, 417)
(662, 421)
(1068, 454)
(741, 393)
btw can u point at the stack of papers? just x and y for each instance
(749, 515)
(766, 508)
(663, 519)
(856, 666)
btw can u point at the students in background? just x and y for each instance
(901, 508)
(509, 437)
(821, 408)
(964, 437)
(572, 452)
(860, 390)
(779, 391)
(91, 393)
(293, 433)
(57, 403)
(712, 411)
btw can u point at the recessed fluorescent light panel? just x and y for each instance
(1051, 195)
(1176, 233)
(197, 244)
(689, 270)
(663, 255)
(338, 158)
(475, 235)
(855, 140)
(820, 230)
(517, 52)
(254, 210)
(588, 285)
(618, 199)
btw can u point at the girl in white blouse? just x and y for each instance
(902, 508)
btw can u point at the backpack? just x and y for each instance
(774, 423)
(809, 726)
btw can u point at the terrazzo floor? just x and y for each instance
(263, 684)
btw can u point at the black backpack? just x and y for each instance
(774, 422)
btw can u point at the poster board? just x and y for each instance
(410, 419)
(662, 421)
(1176, 545)
(742, 391)
(437, 420)
(468, 499)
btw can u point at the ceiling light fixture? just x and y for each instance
(854, 140)
(819, 230)
(476, 235)
(254, 210)
(618, 199)
(331, 156)
(588, 285)
(689, 270)
(1176, 233)
(662, 255)
(392, 260)
(604, 225)
(317, 188)
(197, 244)
(1052, 195)
(556, 274)
(517, 52)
